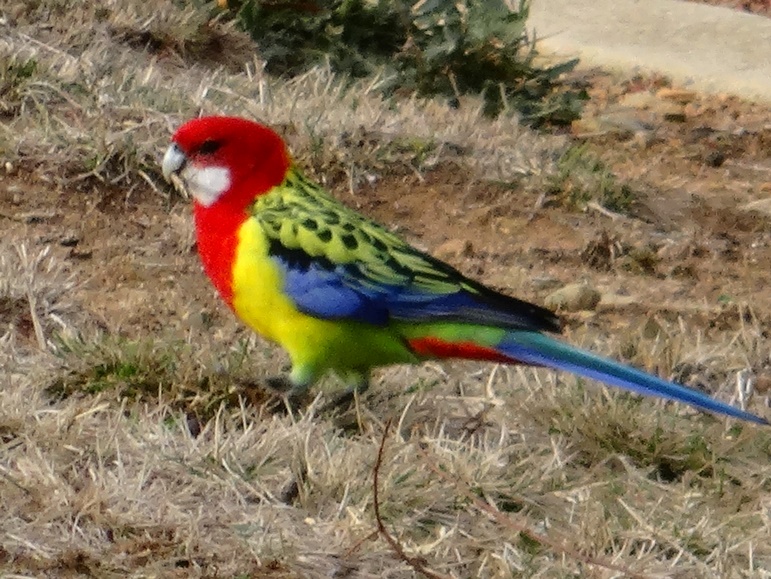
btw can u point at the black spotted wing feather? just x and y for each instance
(340, 265)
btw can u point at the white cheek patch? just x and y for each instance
(206, 184)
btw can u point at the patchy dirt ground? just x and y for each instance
(134, 443)
(693, 245)
(762, 7)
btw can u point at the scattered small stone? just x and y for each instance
(714, 159)
(196, 319)
(763, 384)
(69, 239)
(80, 255)
(617, 301)
(290, 492)
(675, 116)
(573, 298)
(662, 108)
(454, 248)
(545, 283)
(623, 122)
(194, 426)
(694, 110)
(644, 139)
(639, 100)
(678, 95)
(759, 205)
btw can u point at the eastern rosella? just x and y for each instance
(342, 293)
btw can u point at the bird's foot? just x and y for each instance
(340, 403)
(288, 396)
(280, 385)
(345, 399)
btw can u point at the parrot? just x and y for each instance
(340, 292)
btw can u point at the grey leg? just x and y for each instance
(359, 383)
(291, 393)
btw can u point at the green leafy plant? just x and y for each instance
(482, 46)
(15, 74)
(434, 47)
(351, 34)
(582, 177)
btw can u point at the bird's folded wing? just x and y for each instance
(339, 265)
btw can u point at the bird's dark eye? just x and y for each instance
(209, 147)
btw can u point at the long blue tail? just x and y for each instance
(539, 349)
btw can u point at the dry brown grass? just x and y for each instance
(96, 96)
(153, 457)
(102, 484)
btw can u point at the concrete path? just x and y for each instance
(707, 48)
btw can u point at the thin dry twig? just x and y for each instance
(416, 563)
(505, 521)
(357, 545)
(593, 205)
(28, 216)
(38, 327)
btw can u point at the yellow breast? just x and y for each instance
(257, 285)
(259, 299)
(313, 344)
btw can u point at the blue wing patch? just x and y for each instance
(323, 293)
(320, 289)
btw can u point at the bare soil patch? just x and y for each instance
(134, 437)
(762, 7)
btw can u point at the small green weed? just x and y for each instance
(149, 370)
(582, 178)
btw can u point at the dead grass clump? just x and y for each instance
(146, 449)
(99, 102)
(194, 35)
(572, 478)
(190, 34)
(174, 372)
(35, 304)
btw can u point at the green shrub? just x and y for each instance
(435, 47)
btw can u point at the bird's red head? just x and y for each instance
(225, 163)
(226, 159)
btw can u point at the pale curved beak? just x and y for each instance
(174, 161)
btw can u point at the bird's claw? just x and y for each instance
(280, 385)
(340, 402)
(287, 394)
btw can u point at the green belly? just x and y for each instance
(313, 344)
